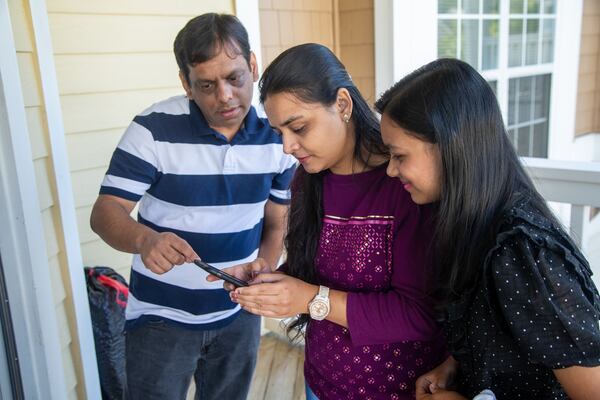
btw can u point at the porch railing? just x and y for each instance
(572, 182)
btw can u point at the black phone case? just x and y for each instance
(220, 274)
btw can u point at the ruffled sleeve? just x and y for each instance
(549, 304)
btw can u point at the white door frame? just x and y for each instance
(22, 241)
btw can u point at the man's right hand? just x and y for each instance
(160, 252)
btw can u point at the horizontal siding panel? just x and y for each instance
(115, 72)
(357, 59)
(63, 326)
(29, 80)
(355, 4)
(58, 286)
(98, 253)
(92, 149)
(50, 233)
(43, 184)
(36, 125)
(86, 185)
(113, 33)
(158, 7)
(22, 33)
(82, 215)
(103, 111)
(67, 347)
(587, 83)
(356, 27)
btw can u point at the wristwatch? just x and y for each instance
(319, 306)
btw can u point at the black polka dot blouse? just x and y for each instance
(535, 309)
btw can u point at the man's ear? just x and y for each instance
(344, 102)
(253, 67)
(185, 84)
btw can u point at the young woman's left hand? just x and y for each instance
(440, 394)
(275, 295)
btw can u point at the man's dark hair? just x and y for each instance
(205, 36)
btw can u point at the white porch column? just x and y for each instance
(405, 39)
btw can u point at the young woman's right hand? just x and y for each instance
(245, 272)
(438, 379)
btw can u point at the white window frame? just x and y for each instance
(406, 38)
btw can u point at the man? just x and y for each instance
(212, 182)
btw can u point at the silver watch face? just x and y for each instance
(319, 309)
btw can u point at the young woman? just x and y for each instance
(356, 243)
(521, 310)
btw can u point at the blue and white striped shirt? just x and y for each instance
(210, 192)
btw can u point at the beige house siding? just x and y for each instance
(113, 59)
(286, 23)
(44, 173)
(588, 91)
(345, 26)
(357, 44)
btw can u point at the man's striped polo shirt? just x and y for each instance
(191, 181)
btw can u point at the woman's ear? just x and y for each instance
(344, 103)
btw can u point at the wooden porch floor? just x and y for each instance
(279, 373)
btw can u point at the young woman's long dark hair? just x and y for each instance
(449, 103)
(313, 74)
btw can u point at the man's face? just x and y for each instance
(222, 89)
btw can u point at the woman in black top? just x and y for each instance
(521, 311)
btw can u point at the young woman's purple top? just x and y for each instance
(373, 245)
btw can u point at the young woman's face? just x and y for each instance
(316, 135)
(415, 162)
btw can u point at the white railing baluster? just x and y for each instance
(577, 223)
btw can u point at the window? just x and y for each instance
(511, 42)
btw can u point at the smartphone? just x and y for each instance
(220, 274)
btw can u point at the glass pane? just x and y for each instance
(525, 99)
(470, 42)
(494, 86)
(523, 137)
(541, 104)
(533, 6)
(491, 6)
(517, 6)
(549, 6)
(470, 6)
(447, 38)
(512, 135)
(513, 85)
(548, 41)
(489, 56)
(540, 140)
(515, 42)
(532, 41)
(447, 6)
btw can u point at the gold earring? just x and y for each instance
(346, 118)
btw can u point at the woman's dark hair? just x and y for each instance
(313, 74)
(204, 36)
(447, 102)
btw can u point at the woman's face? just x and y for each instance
(316, 135)
(415, 162)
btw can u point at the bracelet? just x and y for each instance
(486, 394)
